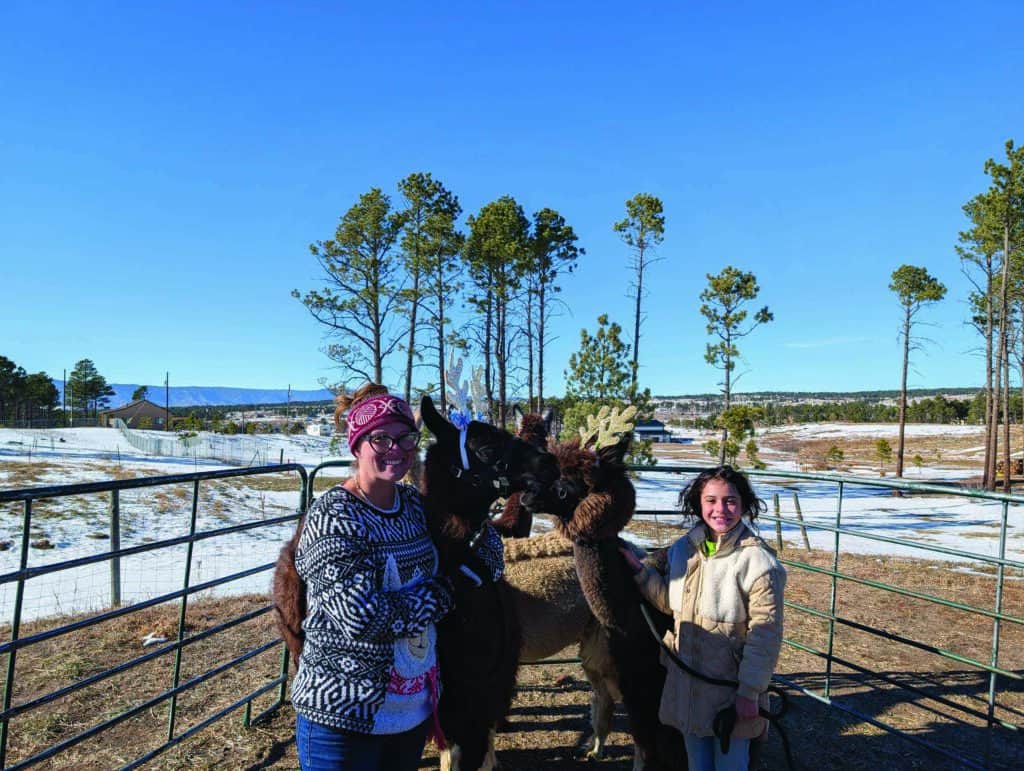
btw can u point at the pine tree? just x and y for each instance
(915, 288)
(497, 254)
(553, 252)
(722, 306)
(642, 230)
(364, 291)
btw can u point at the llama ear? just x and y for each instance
(614, 454)
(548, 416)
(433, 420)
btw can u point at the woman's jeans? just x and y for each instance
(329, 749)
(705, 754)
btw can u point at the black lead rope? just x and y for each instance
(725, 720)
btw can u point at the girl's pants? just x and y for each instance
(329, 749)
(704, 753)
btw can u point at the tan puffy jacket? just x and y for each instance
(727, 623)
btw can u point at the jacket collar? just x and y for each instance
(735, 538)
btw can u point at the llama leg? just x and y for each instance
(450, 758)
(597, 666)
(602, 708)
(638, 758)
(490, 759)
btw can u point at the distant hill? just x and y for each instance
(209, 396)
(748, 397)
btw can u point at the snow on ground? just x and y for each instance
(79, 526)
(873, 430)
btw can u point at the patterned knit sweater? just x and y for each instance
(369, 662)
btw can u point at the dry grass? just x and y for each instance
(550, 713)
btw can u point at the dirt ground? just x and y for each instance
(550, 714)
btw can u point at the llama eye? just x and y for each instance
(487, 454)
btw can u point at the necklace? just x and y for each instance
(366, 498)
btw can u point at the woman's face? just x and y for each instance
(719, 506)
(391, 464)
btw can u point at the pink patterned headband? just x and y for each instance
(376, 411)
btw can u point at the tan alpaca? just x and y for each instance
(554, 614)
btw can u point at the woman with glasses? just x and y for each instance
(366, 689)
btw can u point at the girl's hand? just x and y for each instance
(634, 564)
(746, 709)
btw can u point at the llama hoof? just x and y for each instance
(592, 748)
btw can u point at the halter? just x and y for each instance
(497, 478)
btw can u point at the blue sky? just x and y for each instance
(166, 165)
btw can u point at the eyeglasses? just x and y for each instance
(382, 443)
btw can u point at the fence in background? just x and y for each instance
(996, 719)
(16, 644)
(236, 450)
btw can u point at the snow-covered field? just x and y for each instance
(79, 526)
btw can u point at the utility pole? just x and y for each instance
(64, 396)
(167, 401)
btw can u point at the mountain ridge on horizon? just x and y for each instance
(208, 396)
(217, 396)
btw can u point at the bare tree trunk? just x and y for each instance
(1008, 469)
(440, 344)
(413, 311)
(501, 358)
(903, 395)
(636, 320)
(488, 321)
(988, 476)
(728, 400)
(529, 350)
(540, 350)
(1006, 360)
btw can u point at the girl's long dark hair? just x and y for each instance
(750, 504)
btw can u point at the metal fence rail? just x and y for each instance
(999, 678)
(990, 712)
(18, 643)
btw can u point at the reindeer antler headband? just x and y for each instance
(459, 412)
(608, 426)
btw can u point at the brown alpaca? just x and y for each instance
(516, 521)
(289, 592)
(594, 500)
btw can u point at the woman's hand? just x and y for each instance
(634, 564)
(746, 709)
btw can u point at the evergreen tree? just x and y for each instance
(497, 253)
(600, 369)
(40, 397)
(915, 288)
(642, 230)
(722, 306)
(12, 383)
(364, 291)
(553, 252)
(600, 374)
(142, 392)
(432, 244)
(992, 244)
(88, 388)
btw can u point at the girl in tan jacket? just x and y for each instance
(723, 587)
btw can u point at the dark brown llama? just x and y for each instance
(516, 521)
(594, 500)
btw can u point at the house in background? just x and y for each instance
(135, 413)
(653, 430)
(319, 429)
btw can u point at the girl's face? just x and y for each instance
(392, 464)
(719, 506)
